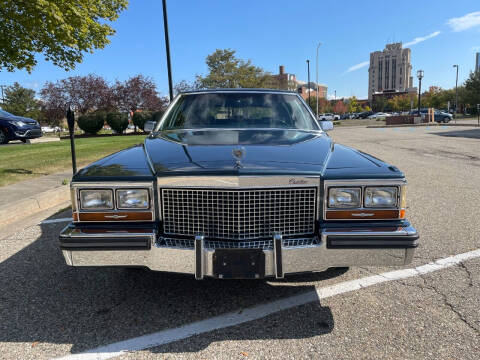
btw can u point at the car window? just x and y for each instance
(238, 110)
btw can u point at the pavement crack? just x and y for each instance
(463, 266)
(448, 304)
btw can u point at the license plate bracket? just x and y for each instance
(239, 264)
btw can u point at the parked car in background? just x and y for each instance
(379, 115)
(326, 116)
(50, 129)
(239, 183)
(364, 114)
(439, 115)
(17, 128)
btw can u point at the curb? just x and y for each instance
(34, 204)
(420, 125)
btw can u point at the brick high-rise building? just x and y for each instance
(390, 71)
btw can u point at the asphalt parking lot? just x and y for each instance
(49, 310)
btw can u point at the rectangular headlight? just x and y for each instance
(381, 196)
(344, 197)
(133, 199)
(96, 199)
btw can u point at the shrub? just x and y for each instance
(140, 118)
(117, 121)
(157, 115)
(91, 123)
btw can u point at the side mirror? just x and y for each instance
(326, 125)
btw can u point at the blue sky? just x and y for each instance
(281, 32)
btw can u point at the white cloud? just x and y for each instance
(332, 97)
(465, 22)
(422, 38)
(32, 85)
(410, 43)
(358, 66)
(475, 48)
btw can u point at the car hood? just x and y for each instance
(262, 150)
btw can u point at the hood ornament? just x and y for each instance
(238, 154)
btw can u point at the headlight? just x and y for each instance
(96, 199)
(17, 123)
(344, 198)
(381, 196)
(132, 199)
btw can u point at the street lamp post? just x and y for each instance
(167, 47)
(456, 95)
(316, 79)
(308, 83)
(419, 76)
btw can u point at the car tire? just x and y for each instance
(446, 120)
(23, 141)
(3, 137)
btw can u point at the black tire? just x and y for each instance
(3, 137)
(446, 119)
(23, 141)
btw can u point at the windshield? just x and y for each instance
(4, 113)
(238, 111)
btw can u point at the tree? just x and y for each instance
(183, 86)
(21, 101)
(339, 107)
(379, 103)
(227, 71)
(137, 93)
(472, 90)
(353, 105)
(61, 30)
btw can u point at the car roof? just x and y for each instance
(241, 90)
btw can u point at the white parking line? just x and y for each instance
(56, 220)
(261, 311)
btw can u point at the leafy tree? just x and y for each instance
(472, 90)
(183, 86)
(137, 93)
(21, 101)
(353, 105)
(61, 30)
(83, 93)
(225, 70)
(339, 107)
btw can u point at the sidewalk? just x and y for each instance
(25, 198)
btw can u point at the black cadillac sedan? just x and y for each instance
(17, 128)
(240, 183)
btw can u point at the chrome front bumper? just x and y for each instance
(333, 248)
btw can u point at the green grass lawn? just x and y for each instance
(23, 162)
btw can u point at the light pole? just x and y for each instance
(335, 96)
(308, 83)
(419, 76)
(456, 95)
(167, 47)
(316, 79)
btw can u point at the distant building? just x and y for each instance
(477, 63)
(304, 90)
(390, 71)
(286, 81)
(283, 80)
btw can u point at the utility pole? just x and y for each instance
(308, 83)
(335, 96)
(167, 47)
(456, 96)
(318, 87)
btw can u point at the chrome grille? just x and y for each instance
(239, 214)
(255, 244)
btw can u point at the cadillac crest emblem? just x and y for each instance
(238, 154)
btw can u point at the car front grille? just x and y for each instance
(239, 214)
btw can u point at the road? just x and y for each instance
(50, 310)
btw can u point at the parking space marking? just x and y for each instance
(53, 221)
(260, 311)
